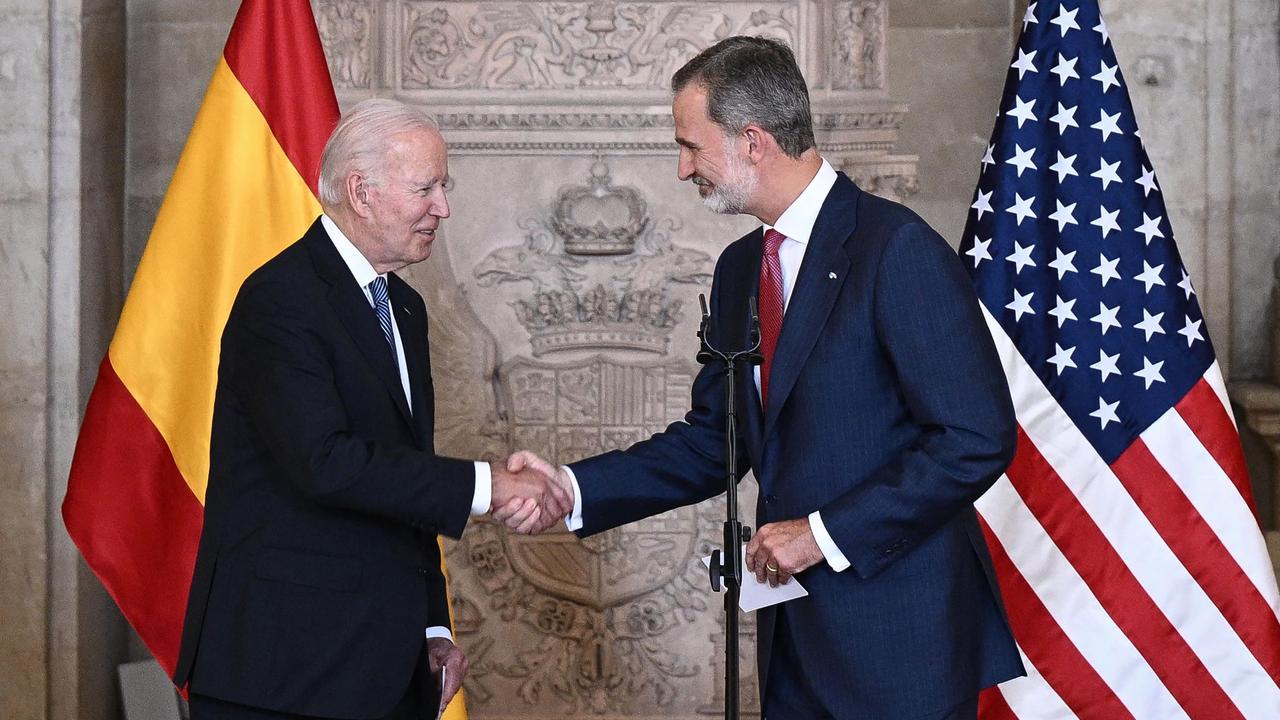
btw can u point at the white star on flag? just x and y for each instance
(1147, 181)
(1108, 125)
(1107, 76)
(983, 203)
(1022, 159)
(1101, 28)
(1062, 310)
(1064, 263)
(1030, 17)
(989, 158)
(1150, 276)
(1107, 221)
(1185, 284)
(1150, 372)
(1150, 324)
(979, 251)
(1064, 167)
(1024, 63)
(1106, 317)
(1064, 215)
(1065, 70)
(1066, 20)
(1022, 111)
(1106, 269)
(1065, 118)
(1106, 364)
(1062, 357)
(1022, 208)
(1106, 412)
(1021, 257)
(1191, 332)
(1107, 172)
(1150, 227)
(1021, 305)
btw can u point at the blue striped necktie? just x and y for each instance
(382, 304)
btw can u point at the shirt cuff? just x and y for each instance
(439, 631)
(484, 489)
(574, 521)
(835, 558)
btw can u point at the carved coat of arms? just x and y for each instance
(602, 621)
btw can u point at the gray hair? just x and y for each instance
(753, 80)
(359, 143)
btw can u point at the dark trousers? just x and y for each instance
(417, 703)
(790, 696)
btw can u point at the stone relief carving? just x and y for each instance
(554, 625)
(346, 29)
(896, 181)
(569, 45)
(621, 303)
(857, 53)
(620, 625)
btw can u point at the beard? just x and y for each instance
(730, 195)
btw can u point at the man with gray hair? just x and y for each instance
(880, 413)
(318, 589)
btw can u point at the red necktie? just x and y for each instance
(770, 307)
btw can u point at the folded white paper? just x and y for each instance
(756, 594)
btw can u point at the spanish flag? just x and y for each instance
(244, 188)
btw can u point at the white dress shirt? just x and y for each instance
(796, 223)
(364, 273)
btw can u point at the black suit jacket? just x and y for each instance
(888, 413)
(318, 567)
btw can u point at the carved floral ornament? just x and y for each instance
(570, 44)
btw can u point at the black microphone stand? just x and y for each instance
(726, 566)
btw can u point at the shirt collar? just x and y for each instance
(797, 221)
(359, 266)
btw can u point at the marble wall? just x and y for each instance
(100, 94)
(61, 190)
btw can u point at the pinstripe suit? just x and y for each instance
(888, 413)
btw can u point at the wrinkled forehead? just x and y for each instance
(417, 151)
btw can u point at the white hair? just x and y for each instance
(359, 143)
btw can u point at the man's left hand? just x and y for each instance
(442, 653)
(781, 549)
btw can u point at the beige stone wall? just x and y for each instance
(61, 184)
(82, 80)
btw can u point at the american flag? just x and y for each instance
(1126, 545)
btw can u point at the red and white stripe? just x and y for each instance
(1137, 589)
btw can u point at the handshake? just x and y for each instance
(529, 494)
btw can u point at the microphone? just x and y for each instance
(753, 355)
(704, 350)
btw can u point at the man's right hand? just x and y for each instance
(528, 499)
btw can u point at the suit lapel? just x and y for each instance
(352, 307)
(417, 356)
(822, 274)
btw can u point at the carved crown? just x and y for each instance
(598, 218)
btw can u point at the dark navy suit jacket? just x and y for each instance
(889, 413)
(318, 567)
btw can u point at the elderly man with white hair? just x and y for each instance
(318, 590)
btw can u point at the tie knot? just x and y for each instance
(378, 289)
(772, 241)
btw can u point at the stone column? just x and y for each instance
(61, 82)
(1259, 401)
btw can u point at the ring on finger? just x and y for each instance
(770, 567)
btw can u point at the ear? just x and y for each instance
(358, 194)
(759, 142)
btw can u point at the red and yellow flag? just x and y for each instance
(243, 190)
